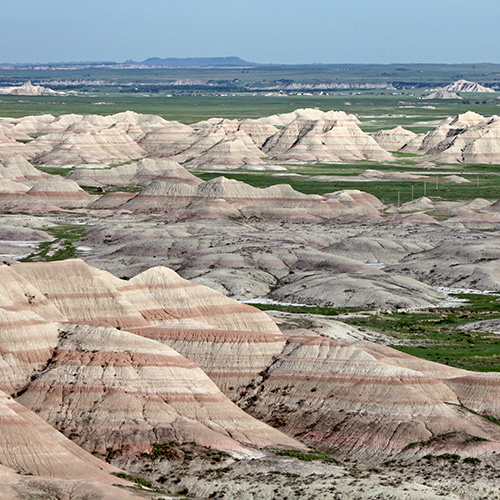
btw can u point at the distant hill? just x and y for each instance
(196, 62)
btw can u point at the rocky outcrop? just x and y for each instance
(29, 89)
(393, 139)
(443, 94)
(222, 197)
(103, 376)
(466, 86)
(327, 141)
(468, 138)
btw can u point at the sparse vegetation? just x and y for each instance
(134, 479)
(112, 189)
(308, 457)
(61, 247)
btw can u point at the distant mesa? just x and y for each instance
(196, 62)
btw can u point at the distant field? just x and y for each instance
(266, 75)
(376, 110)
(482, 185)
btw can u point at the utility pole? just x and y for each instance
(399, 198)
(412, 193)
(425, 188)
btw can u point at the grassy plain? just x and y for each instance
(482, 185)
(376, 109)
(261, 76)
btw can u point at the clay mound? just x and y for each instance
(221, 197)
(466, 86)
(146, 123)
(31, 446)
(284, 119)
(191, 408)
(31, 125)
(61, 123)
(117, 176)
(477, 204)
(377, 249)
(355, 197)
(454, 179)
(9, 147)
(19, 169)
(29, 89)
(323, 141)
(17, 486)
(146, 382)
(477, 222)
(64, 282)
(356, 288)
(469, 118)
(230, 154)
(377, 174)
(160, 141)
(422, 204)
(393, 139)
(8, 186)
(443, 94)
(216, 143)
(135, 174)
(86, 143)
(257, 131)
(351, 388)
(414, 218)
(473, 264)
(166, 170)
(467, 138)
(61, 192)
(9, 132)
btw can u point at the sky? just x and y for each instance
(263, 31)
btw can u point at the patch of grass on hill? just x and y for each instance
(61, 248)
(433, 335)
(309, 456)
(63, 172)
(113, 189)
(429, 334)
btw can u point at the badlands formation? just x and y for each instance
(140, 357)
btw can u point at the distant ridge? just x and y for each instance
(196, 61)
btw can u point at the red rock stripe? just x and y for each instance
(209, 335)
(100, 358)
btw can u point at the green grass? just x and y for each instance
(429, 334)
(307, 457)
(63, 172)
(432, 334)
(134, 479)
(490, 418)
(61, 248)
(325, 311)
(377, 110)
(113, 189)
(481, 185)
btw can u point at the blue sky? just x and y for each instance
(272, 31)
